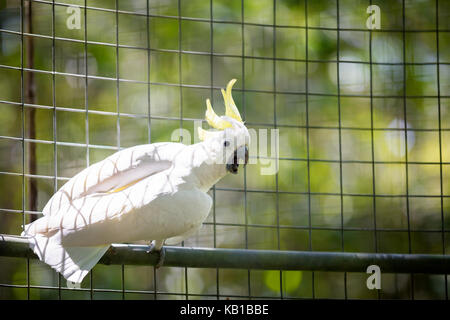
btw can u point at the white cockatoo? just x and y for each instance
(154, 192)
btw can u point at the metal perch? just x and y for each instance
(16, 246)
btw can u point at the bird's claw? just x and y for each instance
(151, 247)
(157, 246)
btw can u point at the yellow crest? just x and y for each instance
(230, 111)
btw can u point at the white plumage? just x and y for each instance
(147, 192)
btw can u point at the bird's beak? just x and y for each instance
(240, 156)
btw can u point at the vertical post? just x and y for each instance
(341, 180)
(245, 118)
(441, 177)
(406, 136)
(274, 83)
(149, 123)
(213, 190)
(86, 105)
(30, 98)
(372, 139)
(307, 142)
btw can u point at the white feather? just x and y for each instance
(74, 263)
(116, 171)
(147, 192)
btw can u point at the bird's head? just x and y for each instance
(228, 143)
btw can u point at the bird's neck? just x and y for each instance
(205, 172)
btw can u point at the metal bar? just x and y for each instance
(22, 100)
(408, 218)
(149, 292)
(55, 137)
(341, 179)
(30, 97)
(86, 119)
(215, 54)
(180, 81)
(308, 160)
(256, 191)
(118, 254)
(274, 83)
(149, 115)
(372, 146)
(118, 115)
(235, 22)
(318, 94)
(246, 225)
(441, 176)
(213, 189)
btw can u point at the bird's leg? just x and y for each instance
(157, 246)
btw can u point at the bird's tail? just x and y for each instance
(74, 263)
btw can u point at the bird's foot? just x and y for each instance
(157, 246)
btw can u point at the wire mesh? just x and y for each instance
(363, 116)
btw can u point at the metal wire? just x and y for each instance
(309, 159)
(308, 141)
(441, 176)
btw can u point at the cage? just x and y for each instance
(357, 90)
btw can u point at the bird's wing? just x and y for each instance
(106, 217)
(115, 173)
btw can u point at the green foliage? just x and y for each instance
(317, 130)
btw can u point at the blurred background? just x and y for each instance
(363, 117)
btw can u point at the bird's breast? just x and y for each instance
(173, 214)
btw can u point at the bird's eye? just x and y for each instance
(226, 143)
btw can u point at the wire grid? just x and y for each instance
(91, 290)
